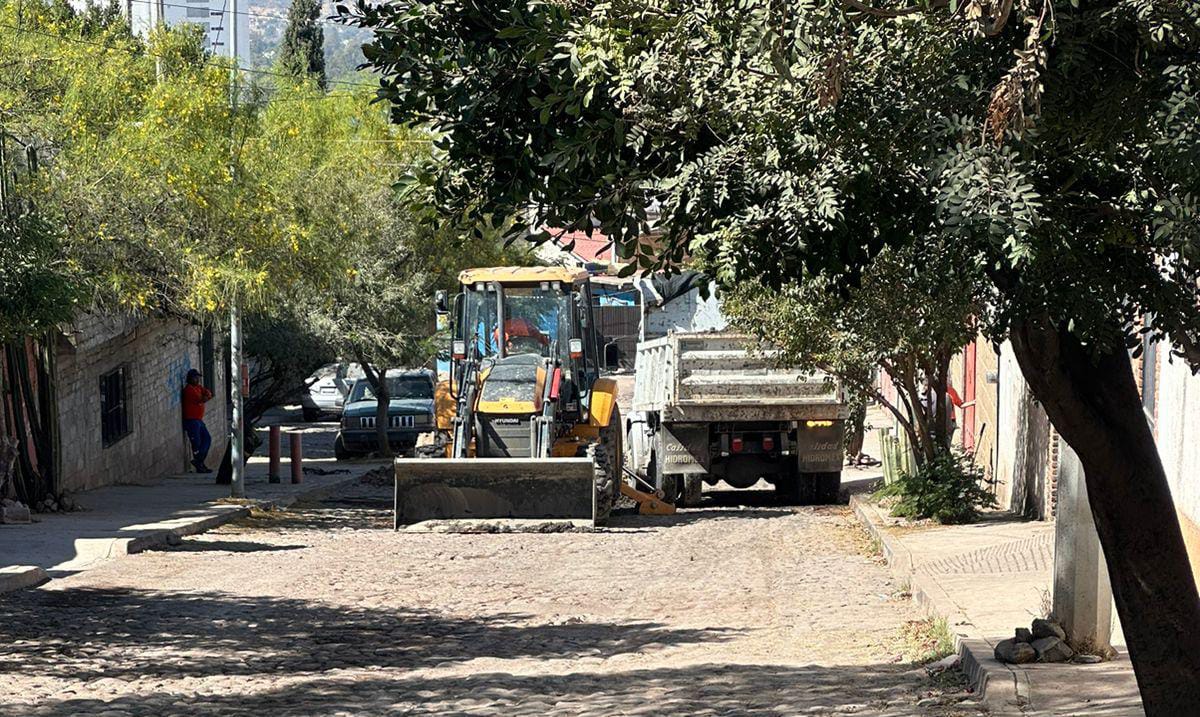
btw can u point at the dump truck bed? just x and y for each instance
(714, 377)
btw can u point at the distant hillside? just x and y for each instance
(342, 44)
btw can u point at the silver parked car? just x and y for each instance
(328, 387)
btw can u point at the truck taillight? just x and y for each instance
(768, 443)
(737, 444)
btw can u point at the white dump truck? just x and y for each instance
(706, 408)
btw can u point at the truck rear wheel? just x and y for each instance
(796, 488)
(669, 485)
(829, 485)
(693, 487)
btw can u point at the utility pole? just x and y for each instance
(156, 23)
(237, 459)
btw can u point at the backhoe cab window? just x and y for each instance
(536, 321)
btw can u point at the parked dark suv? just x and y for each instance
(410, 413)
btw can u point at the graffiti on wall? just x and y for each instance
(177, 376)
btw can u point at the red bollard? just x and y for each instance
(273, 472)
(297, 457)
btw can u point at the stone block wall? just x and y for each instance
(157, 355)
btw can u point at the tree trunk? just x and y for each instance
(1094, 404)
(378, 380)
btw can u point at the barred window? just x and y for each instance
(114, 416)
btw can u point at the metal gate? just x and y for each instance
(619, 328)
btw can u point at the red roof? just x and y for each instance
(587, 248)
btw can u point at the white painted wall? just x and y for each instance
(689, 312)
(1177, 429)
(1012, 386)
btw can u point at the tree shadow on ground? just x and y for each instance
(702, 690)
(83, 634)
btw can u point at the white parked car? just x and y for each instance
(327, 390)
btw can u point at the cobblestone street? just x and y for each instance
(323, 610)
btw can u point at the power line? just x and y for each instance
(93, 43)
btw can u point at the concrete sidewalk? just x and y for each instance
(121, 520)
(986, 579)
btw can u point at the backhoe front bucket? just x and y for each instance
(481, 488)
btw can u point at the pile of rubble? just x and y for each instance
(1043, 641)
(13, 511)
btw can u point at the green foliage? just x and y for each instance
(283, 351)
(36, 288)
(1055, 147)
(302, 50)
(913, 308)
(949, 489)
(156, 187)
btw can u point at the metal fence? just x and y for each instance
(619, 328)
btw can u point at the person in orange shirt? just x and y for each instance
(195, 395)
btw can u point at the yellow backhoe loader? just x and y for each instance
(528, 426)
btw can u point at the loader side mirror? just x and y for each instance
(442, 302)
(575, 346)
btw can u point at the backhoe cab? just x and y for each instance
(531, 430)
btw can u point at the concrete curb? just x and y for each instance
(17, 577)
(24, 576)
(131, 546)
(1002, 688)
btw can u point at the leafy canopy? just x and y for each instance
(1055, 141)
(161, 193)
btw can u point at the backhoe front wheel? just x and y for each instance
(605, 481)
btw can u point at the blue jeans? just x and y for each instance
(197, 434)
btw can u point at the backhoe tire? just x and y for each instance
(612, 438)
(605, 481)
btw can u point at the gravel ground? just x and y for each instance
(322, 610)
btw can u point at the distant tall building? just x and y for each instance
(213, 16)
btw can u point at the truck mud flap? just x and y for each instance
(494, 488)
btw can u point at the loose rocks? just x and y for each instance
(12, 511)
(1016, 653)
(1052, 649)
(1046, 628)
(1023, 635)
